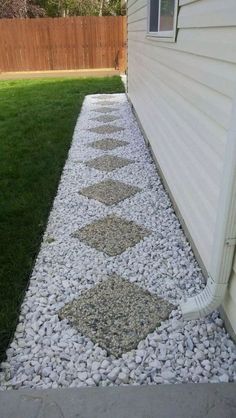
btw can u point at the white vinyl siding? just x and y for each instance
(182, 93)
(208, 13)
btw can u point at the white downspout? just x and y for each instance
(225, 237)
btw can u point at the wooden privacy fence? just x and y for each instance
(84, 42)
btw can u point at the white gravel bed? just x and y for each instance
(49, 353)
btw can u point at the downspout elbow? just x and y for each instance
(220, 265)
(205, 302)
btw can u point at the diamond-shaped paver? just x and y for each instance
(106, 129)
(116, 314)
(109, 191)
(105, 97)
(112, 235)
(105, 109)
(108, 162)
(108, 144)
(106, 103)
(106, 118)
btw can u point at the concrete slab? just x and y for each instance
(166, 401)
(99, 72)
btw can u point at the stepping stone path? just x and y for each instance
(106, 129)
(109, 192)
(106, 118)
(106, 96)
(108, 163)
(102, 303)
(105, 109)
(108, 144)
(107, 103)
(112, 235)
(116, 314)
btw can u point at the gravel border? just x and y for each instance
(49, 353)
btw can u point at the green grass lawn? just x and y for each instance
(37, 119)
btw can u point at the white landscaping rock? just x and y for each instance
(123, 377)
(113, 374)
(49, 353)
(82, 376)
(97, 377)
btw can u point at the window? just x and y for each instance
(162, 18)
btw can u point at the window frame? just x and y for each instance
(168, 36)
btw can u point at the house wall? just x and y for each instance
(229, 305)
(182, 93)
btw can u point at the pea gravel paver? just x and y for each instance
(108, 163)
(106, 103)
(116, 314)
(108, 144)
(47, 352)
(109, 192)
(106, 118)
(105, 109)
(106, 129)
(109, 97)
(112, 235)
